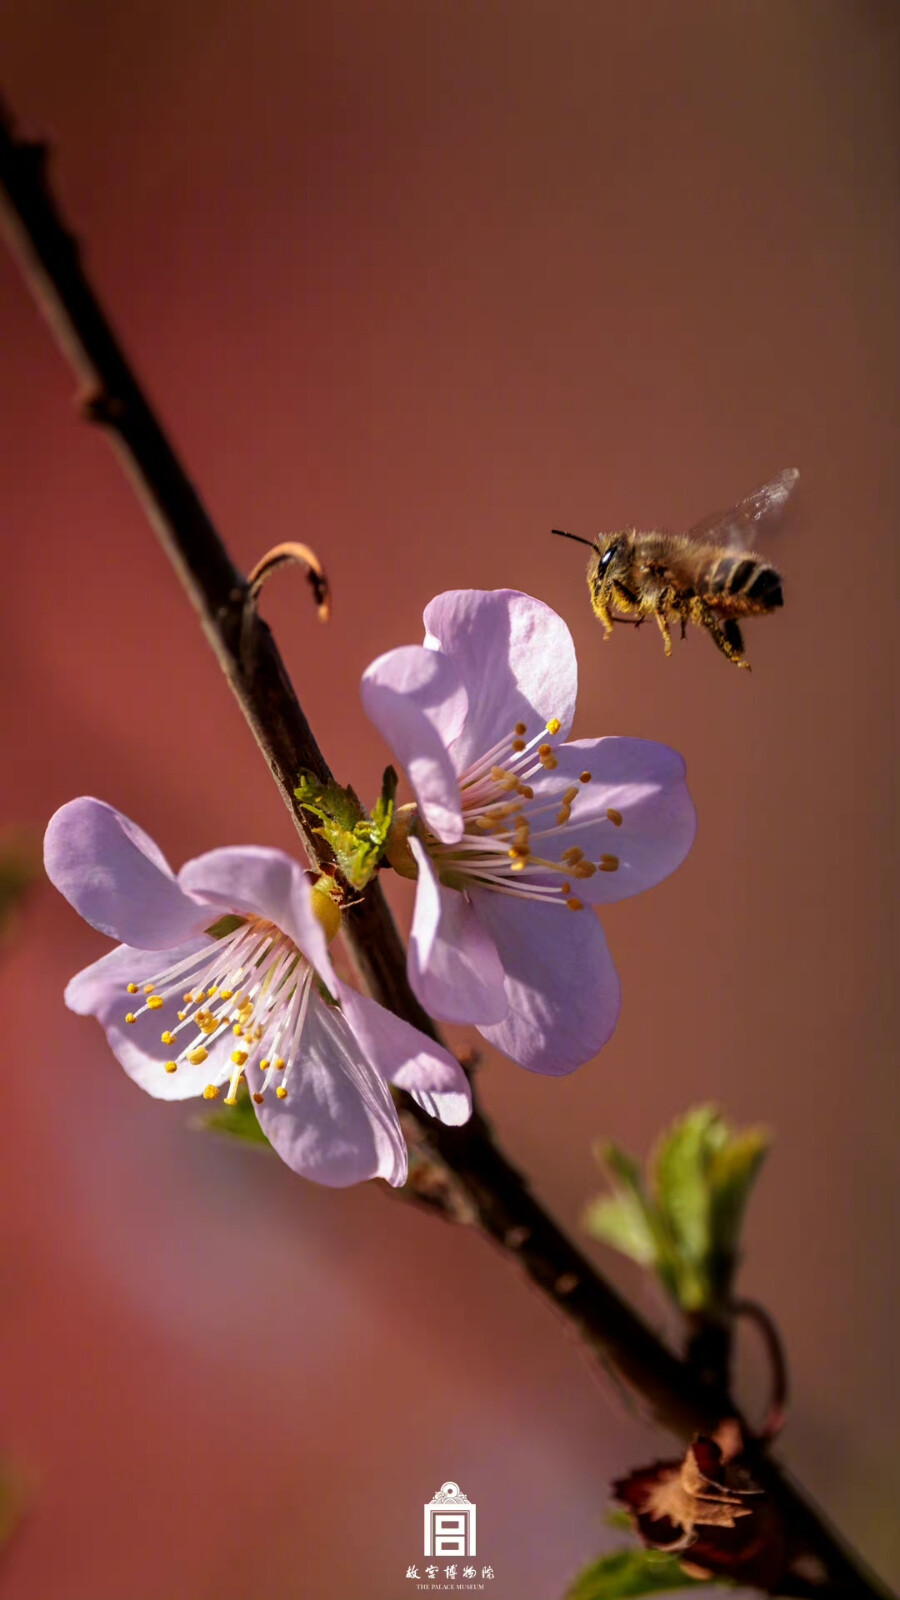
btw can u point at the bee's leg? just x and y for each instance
(625, 593)
(600, 608)
(725, 634)
(661, 613)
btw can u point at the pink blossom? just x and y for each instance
(517, 833)
(186, 1013)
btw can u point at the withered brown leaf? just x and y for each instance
(707, 1504)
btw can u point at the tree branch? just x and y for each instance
(496, 1194)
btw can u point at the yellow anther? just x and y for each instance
(608, 863)
(210, 1092)
(196, 1056)
(237, 1030)
(554, 725)
(526, 791)
(585, 777)
(563, 815)
(167, 1037)
(505, 780)
(171, 1066)
(189, 997)
(615, 817)
(518, 852)
(208, 1025)
(485, 823)
(182, 1015)
(279, 1063)
(518, 745)
(211, 994)
(230, 1100)
(154, 1001)
(264, 1064)
(132, 988)
(519, 865)
(281, 1092)
(148, 988)
(226, 994)
(259, 1098)
(239, 1057)
(584, 869)
(570, 794)
(130, 1017)
(520, 729)
(574, 904)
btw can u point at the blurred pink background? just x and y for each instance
(417, 282)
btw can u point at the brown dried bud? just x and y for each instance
(708, 1505)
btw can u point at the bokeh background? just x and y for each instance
(416, 281)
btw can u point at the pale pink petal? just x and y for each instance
(561, 985)
(250, 879)
(515, 657)
(409, 1059)
(417, 702)
(338, 1124)
(117, 878)
(638, 781)
(101, 991)
(453, 965)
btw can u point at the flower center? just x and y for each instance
(503, 847)
(254, 985)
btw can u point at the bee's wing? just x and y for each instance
(741, 527)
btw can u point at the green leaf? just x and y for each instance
(357, 841)
(683, 1217)
(630, 1572)
(733, 1172)
(620, 1220)
(236, 1122)
(680, 1165)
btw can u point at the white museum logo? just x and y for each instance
(450, 1523)
(450, 1545)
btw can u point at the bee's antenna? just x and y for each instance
(576, 536)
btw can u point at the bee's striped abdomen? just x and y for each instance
(744, 579)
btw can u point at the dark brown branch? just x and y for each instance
(496, 1193)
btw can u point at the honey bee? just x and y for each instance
(710, 576)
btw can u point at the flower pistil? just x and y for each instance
(505, 824)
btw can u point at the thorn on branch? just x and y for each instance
(102, 408)
(293, 554)
(282, 555)
(776, 1415)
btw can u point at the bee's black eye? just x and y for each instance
(605, 559)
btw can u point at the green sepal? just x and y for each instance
(236, 1122)
(623, 1573)
(225, 925)
(20, 866)
(356, 840)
